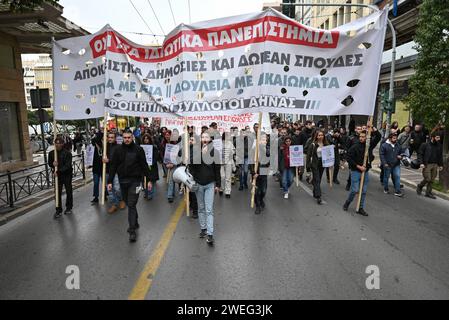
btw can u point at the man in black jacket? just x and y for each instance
(205, 170)
(129, 162)
(63, 174)
(262, 173)
(390, 158)
(432, 160)
(355, 157)
(115, 195)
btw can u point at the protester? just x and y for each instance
(130, 163)
(390, 158)
(63, 174)
(287, 171)
(315, 162)
(261, 175)
(115, 195)
(432, 161)
(404, 140)
(206, 173)
(355, 157)
(227, 166)
(97, 165)
(77, 143)
(153, 167)
(417, 138)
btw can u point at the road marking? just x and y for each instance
(309, 191)
(145, 280)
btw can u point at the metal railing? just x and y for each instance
(20, 184)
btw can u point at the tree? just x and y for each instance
(33, 120)
(25, 5)
(429, 86)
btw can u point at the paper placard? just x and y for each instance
(296, 156)
(148, 148)
(89, 159)
(328, 156)
(171, 153)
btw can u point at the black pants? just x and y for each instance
(336, 170)
(66, 181)
(316, 180)
(261, 189)
(130, 196)
(193, 202)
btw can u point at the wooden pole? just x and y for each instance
(105, 145)
(56, 167)
(297, 177)
(331, 175)
(365, 160)
(256, 161)
(186, 160)
(54, 133)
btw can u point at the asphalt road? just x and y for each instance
(295, 249)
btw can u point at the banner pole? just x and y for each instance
(331, 176)
(105, 145)
(297, 177)
(56, 167)
(186, 160)
(56, 185)
(365, 160)
(256, 161)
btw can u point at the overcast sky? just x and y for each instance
(120, 14)
(92, 15)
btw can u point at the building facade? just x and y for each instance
(23, 33)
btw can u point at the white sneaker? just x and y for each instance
(285, 195)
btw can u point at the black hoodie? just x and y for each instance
(204, 173)
(130, 163)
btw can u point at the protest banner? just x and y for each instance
(171, 153)
(328, 156)
(260, 62)
(148, 148)
(89, 159)
(296, 156)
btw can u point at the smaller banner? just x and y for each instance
(328, 156)
(224, 123)
(296, 156)
(148, 148)
(171, 153)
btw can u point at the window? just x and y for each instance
(341, 16)
(10, 143)
(7, 57)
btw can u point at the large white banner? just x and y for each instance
(262, 62)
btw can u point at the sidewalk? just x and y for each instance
(409, 177)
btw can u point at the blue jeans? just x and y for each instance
(244, 173)
(396, 178)
(171, 185)
(287, 179)
(115, 195)
(205, 199)
(97, 180)
(150, 194)
(355, 185)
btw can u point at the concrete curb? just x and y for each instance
(413, 185)
(23, 210)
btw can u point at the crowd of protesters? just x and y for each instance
(128, 173)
